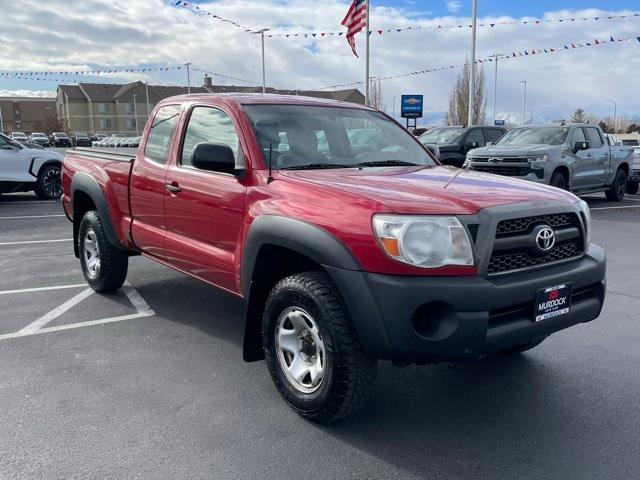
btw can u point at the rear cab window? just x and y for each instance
(161, 133)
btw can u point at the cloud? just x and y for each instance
(27, 93)
(453, 6)
(62, 35)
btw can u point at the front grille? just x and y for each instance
(516, 248)
(509, 171)
(501, 159)
(523, 225)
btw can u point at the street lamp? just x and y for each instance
(135, 113)
(530, 116)
(264, 74)
(615, 112)
(472, 72)
(524, 100)
(1, 123)
(496, 56)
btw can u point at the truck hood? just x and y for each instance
(514, 150)
(419, 190)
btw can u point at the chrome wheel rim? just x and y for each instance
(300, 350)
(91, 253)
(51, 183)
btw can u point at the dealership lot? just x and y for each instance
(150, 383)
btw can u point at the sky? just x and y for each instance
(71, 35)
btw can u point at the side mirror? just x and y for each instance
(489, 144)
(471, 145)
(577, 146)
(433, 148)
(214, 157)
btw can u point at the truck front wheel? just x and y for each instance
(618, 188)
(559, 180)
(104, 266)
(312, 350)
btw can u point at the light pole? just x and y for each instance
(1, 122)
(615, 112)
(135, 113)
(394, 107)
(472, 70)
(188, 77)
(495, 84)
(530, 116)
(264, 73)
(524, 100)
(146, 87)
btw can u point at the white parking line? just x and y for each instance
(624, 207)
(36, 241)
(56, 312)
(30, 216)
(42, 289)
(30, 202)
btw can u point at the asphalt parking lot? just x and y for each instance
(150, 382)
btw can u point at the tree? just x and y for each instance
(458, 112)
(375, 94)
(633, 128)
(579, 116)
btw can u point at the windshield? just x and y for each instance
(442, 135)
(82, 135)
(302, 136)
(38, 135)
(535, 136)
(58, 134)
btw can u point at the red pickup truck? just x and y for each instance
(347, 240)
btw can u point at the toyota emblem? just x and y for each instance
(545, 238)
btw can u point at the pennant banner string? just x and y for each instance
(514, 54)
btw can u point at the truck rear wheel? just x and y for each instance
(618, 188)
(104, 266)
(632, 187)
(312, 350)
(49, 184)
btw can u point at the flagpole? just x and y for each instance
(366, 95)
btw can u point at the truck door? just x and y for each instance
(147, 183)
(582, 177)
(204, 210)
(601, 156)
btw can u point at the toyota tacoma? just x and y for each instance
(345, 251)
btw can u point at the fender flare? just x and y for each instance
(305, 238)
(84, 183)
(49, 161)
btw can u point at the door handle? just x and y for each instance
(173, 187)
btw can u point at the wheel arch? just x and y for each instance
(275, 248)
(86, 195)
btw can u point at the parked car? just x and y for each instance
(39, 138)
(81, 140)
(101, 136)
(31, 145)
(60, 139)
(631, 142)
(25, 169)
(19, 137)
(454, 142)
(573, 157)
(343, 257)
(634, 180)
(134, 142)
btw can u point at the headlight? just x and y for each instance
(424, 241)
(539, 158)
(584, 209)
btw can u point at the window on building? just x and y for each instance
(105, 123)
(131, 123)
(130, 108)
(210, 125)
(161, 133)
(103, 108)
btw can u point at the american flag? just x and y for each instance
(355, 20)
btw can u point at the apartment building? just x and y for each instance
(27, 114)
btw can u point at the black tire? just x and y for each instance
(525, 346)
(632, 187)
(349, 372)
(113, 264)
(49, 183)
(618, 188)
(559, 180)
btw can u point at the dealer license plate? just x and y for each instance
(553, 301)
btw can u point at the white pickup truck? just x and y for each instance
(24, 169)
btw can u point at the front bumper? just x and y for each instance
(431, 319)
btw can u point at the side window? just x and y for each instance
(475, 135)
(161, 133)
(493, 134)
(595, 141)
(210, 125)
(578, 136)
(4, 145)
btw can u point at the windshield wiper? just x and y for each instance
(313, 166)
(381, 163)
